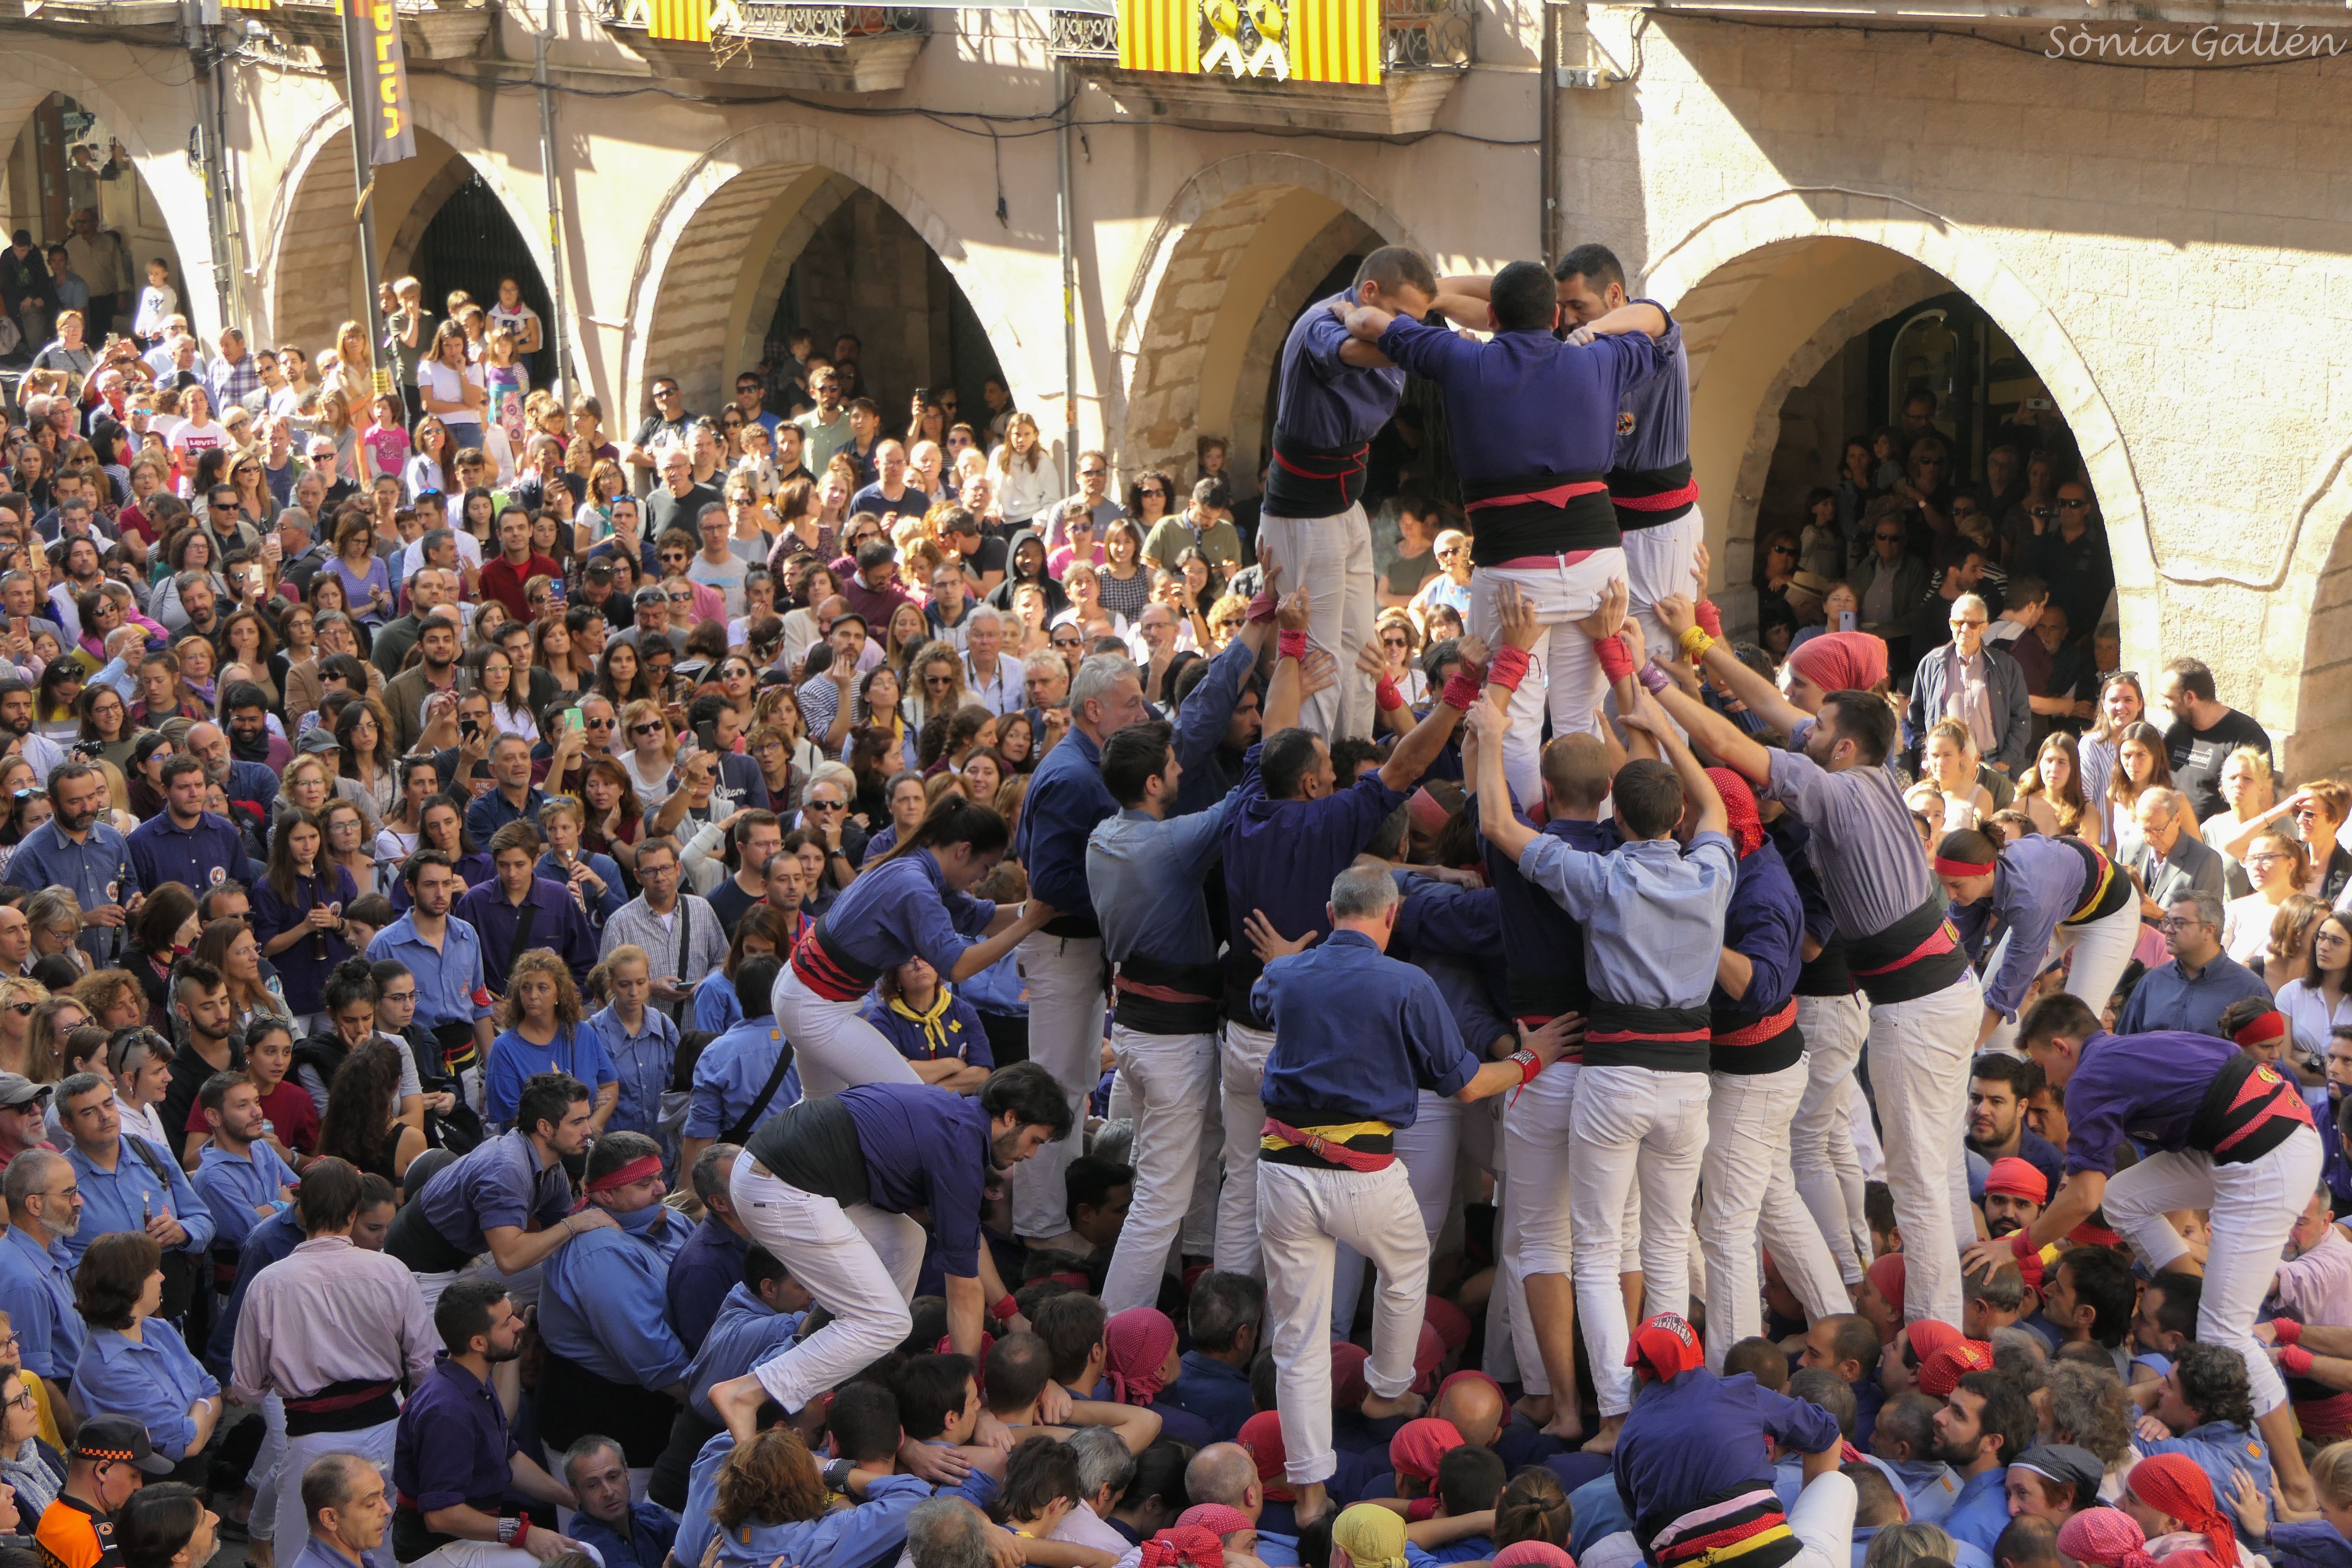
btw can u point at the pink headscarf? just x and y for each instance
(1842, 661)
(1533, 1554)
(2107, 1538)
(1136, 1343)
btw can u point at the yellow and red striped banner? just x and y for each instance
(681, 21)
(1159, 36)
(1334, 40)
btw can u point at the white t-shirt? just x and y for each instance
(515, 321)
(436, 380)
(191, 441)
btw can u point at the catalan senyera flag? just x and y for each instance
(246, 4)
(1334, 40)
(681, 21)
(1158, 34)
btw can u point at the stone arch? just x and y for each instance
(1760, 288)
(1219, 278)
(28, 74)
(761, 192)
(313, 244)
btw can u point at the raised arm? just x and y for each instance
(1731, 745)
(1649, 717)
(1678, 616)
(1286, 692)
(1636, 316)
(1498, 822)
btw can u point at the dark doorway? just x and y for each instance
(470, 244)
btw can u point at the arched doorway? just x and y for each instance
(1772, 296)
(722, 280)
(66, 159)
(862, 272)
(437, 215)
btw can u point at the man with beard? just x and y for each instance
(434, 673)
(613, 1362)
(1986, 1421)
(250, 783)
(509, 1197)
(73, 849)
(1998, 1087)
(445, 956)
(803, 1172)
(18, 734)
(2014, 1193)
(250, 740)
(454, 1461)
(333, 1329)
(36, 1283)
(187, 844)
(428, 590)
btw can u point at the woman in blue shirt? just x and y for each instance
(714, 1007)
(541, 1016)
(134, 1364)
(936, 1030)
(298, 912)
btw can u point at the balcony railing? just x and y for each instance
(833, 48)
(1416, 35)
(777, 21)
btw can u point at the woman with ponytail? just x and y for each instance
(2021, 903)
(913, 902)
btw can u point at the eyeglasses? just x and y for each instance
(1154, 491)
(1783, 550)
(644, 729)
(409, 996)
(2066, 504)
(1960, 625)
(684, 598)
(2174, 922)
(22, 1008)
(2267, 859)
(1888, 537)
(1396, 642)
(824, 805)
(595, 724)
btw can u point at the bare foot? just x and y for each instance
(1567, 1426)
(1536, 1408)
(1605, 1440)
(738, 1402)
(1375, 1408)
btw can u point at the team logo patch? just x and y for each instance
(1625, 422)
(220, 875)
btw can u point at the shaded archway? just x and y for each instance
(715, 276)
(1768, 291)
(154, 201)
(63, 159)
(1239, 252)
(314, 277)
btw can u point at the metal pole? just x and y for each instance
(211, 121)
(1548, 134)
(363, 184)
(554, 195)
(1065, 202)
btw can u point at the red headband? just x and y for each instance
(634, 1170)
(2261, 1030)
(1948, 868)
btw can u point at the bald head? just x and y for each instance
(1224, 1473)
(1476, 1409)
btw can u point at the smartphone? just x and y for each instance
(707, 737)
(555, 589)
(469, 728)
(1846, 620)
(2041, 404)
(574, 718)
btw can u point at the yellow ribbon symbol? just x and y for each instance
(1224, 19)
(1267, 17)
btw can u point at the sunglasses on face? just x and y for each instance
(2066, 505)
(826, 805)
(1782, 550)
(1888, 537)
(644, 729)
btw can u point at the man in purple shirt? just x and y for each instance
(1534, 421)
(2217, 1130)
(1336, 394)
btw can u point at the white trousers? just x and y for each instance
(1241, 1068)
(1539, 1228)
(1920, 1054)
(1429, 1151)
(1331, 558)
(859, 1263)
(288, 1524)
(1563, 671)
(1747, 1121)
(1632, 1127)
(2253, 1206)
(1170, 1082)
(1065, 977)
(1658, 566)
(1822, 1163)
(2102, 950)
(832, 1046)
(1302, 1213)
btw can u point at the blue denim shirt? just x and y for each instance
(152, 1379)
(37, 1289)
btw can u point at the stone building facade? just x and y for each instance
(2170, 245)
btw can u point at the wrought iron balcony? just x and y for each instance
(1415, 35)
(428, 30)
(833, 48)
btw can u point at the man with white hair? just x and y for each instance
(989, 678)
(1357, 1034)
(1981, 687)
(1064, 962)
